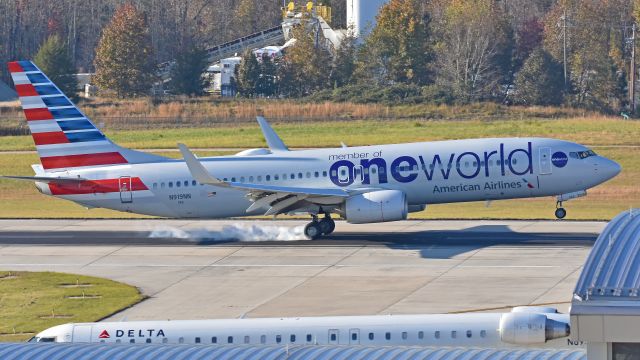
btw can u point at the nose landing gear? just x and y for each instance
(315, 229)
(560, 211)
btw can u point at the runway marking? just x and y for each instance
(32, 236)
(509, 266)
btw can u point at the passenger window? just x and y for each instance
(148, 341)
(515, 161)
(161, 185)
(483, 333)
(177, 183)
(284, 176)
(373, 170)
(420, 335)
(404, 335)
(214, 340)
(268, 177)
(197, 340)
(309, 338)
(371, 336)
(181, 340)
(170, 184)
(194, 183)
(387, 336)
(292, 338)
(293, 176)
(118, 341)
(324, 174)
(263, 339)
(354, 336)
(278, 339)
(247, 339)
(299, 175)
(230, 340)
(454, 334)
(241, 179)
(259, 178)
(233, 179)
(436, 334)
(225, 179)
(186, 183)
(316, 174)
(132, 341)
(334, 337)
(164, 340)
(155, 185)
(250, 179)
(308, 175)
(469, 333)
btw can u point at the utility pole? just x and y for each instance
(564, 44)
(632, 71)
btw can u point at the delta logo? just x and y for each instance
(529, 185)
(559, 159)
(104, 335)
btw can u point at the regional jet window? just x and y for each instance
(278, 339)
(194, 183)
(259, 178)
(164, 340)
(316, 174)
(354, 336)
(233, 179)
(469, 333)
(454, 334)
(404, 335)
(324, 174)
(373, 170)
(118, 341)
(181, 340)
(299, 175)
(483, 333)
(148, 341)
(436, 335)
(214, 340)
(177, 183)
(420, 335)
(170, 184)
(293, 176)
(241, 179)
(197, 340)
(161, 185)
(387, 336)
(186, 183)
(247, 339)
(251, 179)
(225, 179)
(230, 340)
(263, 339)
(276, 177)
(334, 337)
(268, 177)
(309, 338)
(292, 338)
(132, 341)
(371, 336)
(308, 175)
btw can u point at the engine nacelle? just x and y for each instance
(377, 206)
(417, 208)
(526, 328)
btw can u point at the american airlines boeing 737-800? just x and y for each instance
(364, 184)
(523, 327)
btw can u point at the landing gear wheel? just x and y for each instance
(312, 231)
(561, 213)
(327, 225)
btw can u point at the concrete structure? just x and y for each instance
(406, 267)
(178, 352)
(605, 311)
(361, 15)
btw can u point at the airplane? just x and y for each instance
(526, 326)
(363, 184)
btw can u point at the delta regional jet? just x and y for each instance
(364, 184)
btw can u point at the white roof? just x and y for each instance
(611, 274)
(59, 351)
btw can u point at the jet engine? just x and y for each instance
(526, 328)
(376, 206)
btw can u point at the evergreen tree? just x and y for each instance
(186, 75)
(540, 81)
(248, 74)
(266, 85)
(344, 65)
(53, 59)
(124, 61)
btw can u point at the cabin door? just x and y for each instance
(334, 336)
(545, 161)
(126, 196)
(82, 333)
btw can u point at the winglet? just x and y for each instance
(196, 168)
(273, 140)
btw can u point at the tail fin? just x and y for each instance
(64, 137)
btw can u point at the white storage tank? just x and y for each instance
(361, 15)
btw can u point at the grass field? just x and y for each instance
(591, 131)
(21, 199)
(33, 301)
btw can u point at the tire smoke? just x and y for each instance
(237, 232)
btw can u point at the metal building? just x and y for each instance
(60, 351)
(605, 311)
(361, 15)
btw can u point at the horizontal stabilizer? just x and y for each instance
(60, 180)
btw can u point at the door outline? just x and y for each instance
(544, 159)
(358, 173)
(82, 333)
(124, 185)
(335, 332)
(357, 333)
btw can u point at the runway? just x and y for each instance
(198, 269)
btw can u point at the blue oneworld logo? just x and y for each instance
(559, 159)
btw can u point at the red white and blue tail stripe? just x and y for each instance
(64, 137)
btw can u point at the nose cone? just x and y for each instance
(609, 169)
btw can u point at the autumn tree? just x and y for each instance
(344, 62)
(53, 59)
(186, 74)
(266, 85)
(398, 50)
(247, 74)
(539, 82)
(124, 60)
(473, 48)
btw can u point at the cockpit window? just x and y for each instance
(582, 154)
(33, 339)
(47, 339)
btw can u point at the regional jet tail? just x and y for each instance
(523, 327)
(364, 184)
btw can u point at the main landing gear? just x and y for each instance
(560, 211)
(316, 228)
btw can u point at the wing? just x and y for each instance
(278, 199)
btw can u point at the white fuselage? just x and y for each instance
(428, 173)
(460, 330)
